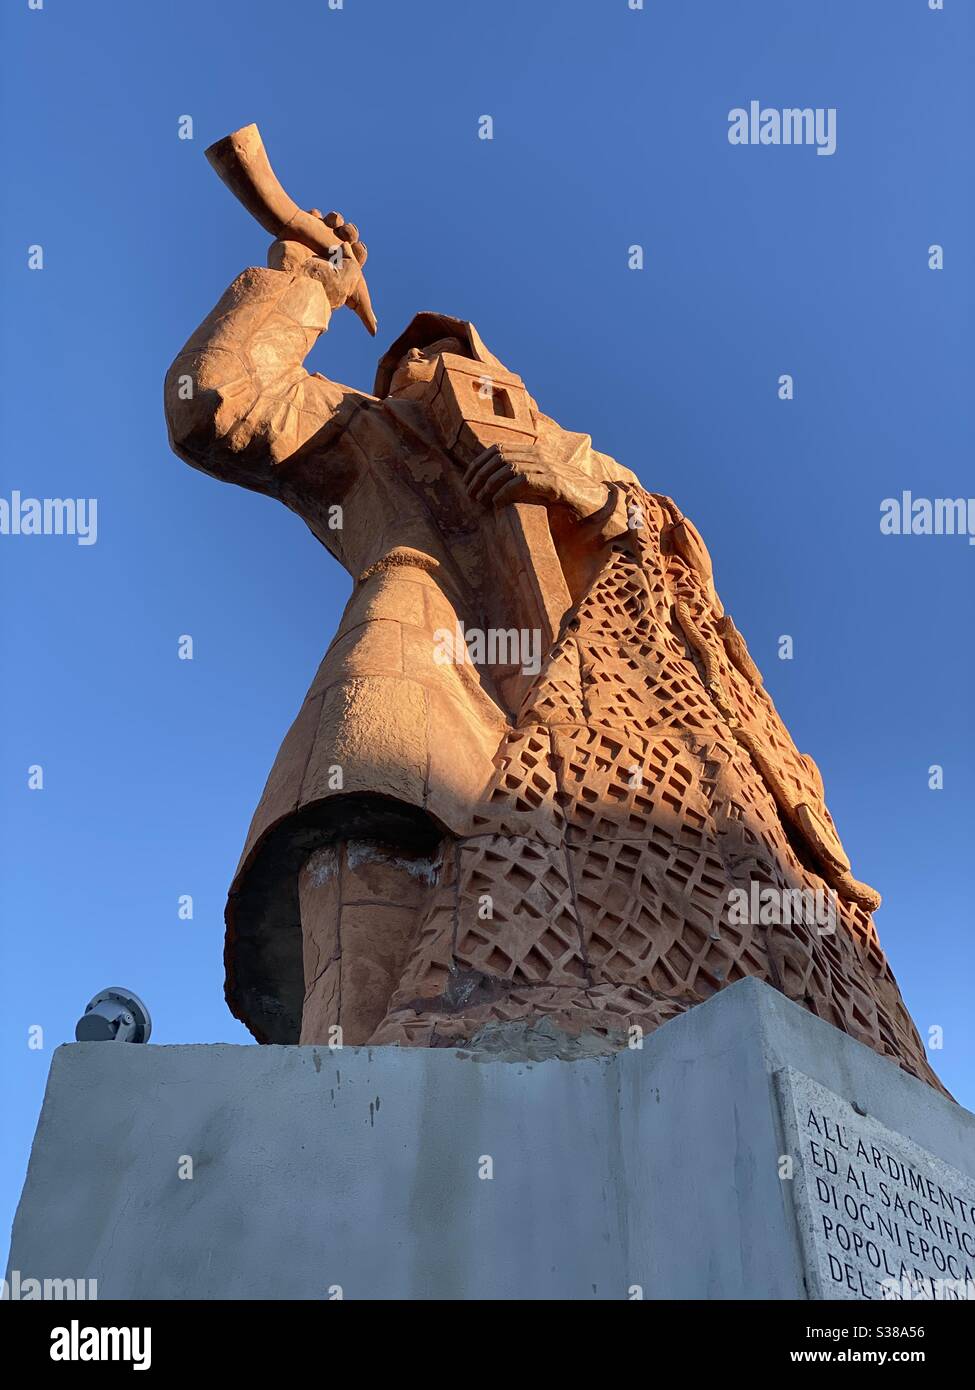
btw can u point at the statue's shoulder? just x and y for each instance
(607, 470)
(575, 448)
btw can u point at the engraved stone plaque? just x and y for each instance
(879, 1217)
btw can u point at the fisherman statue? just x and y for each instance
(537, 775)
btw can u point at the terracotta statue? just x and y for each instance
(537, 774)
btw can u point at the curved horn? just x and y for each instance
(242, 163)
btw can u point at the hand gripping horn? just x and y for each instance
(241, 161)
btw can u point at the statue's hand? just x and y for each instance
(507, 473)
(339, 273)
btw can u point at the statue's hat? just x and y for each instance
(424, 329)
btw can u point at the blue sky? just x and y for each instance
(610, 129)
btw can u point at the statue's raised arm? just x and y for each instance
(238, 399)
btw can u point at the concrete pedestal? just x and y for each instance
(748, 1150)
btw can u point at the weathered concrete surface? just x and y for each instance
(656, 1168)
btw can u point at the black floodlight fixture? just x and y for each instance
(114, 1015)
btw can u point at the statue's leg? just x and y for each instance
(360, 903)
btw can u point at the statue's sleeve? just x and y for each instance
(239, 402)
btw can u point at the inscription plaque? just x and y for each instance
(879, 1217)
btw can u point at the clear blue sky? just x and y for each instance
(610, 129)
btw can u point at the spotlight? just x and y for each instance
(114, 1015)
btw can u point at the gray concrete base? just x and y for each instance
(685, 1169)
